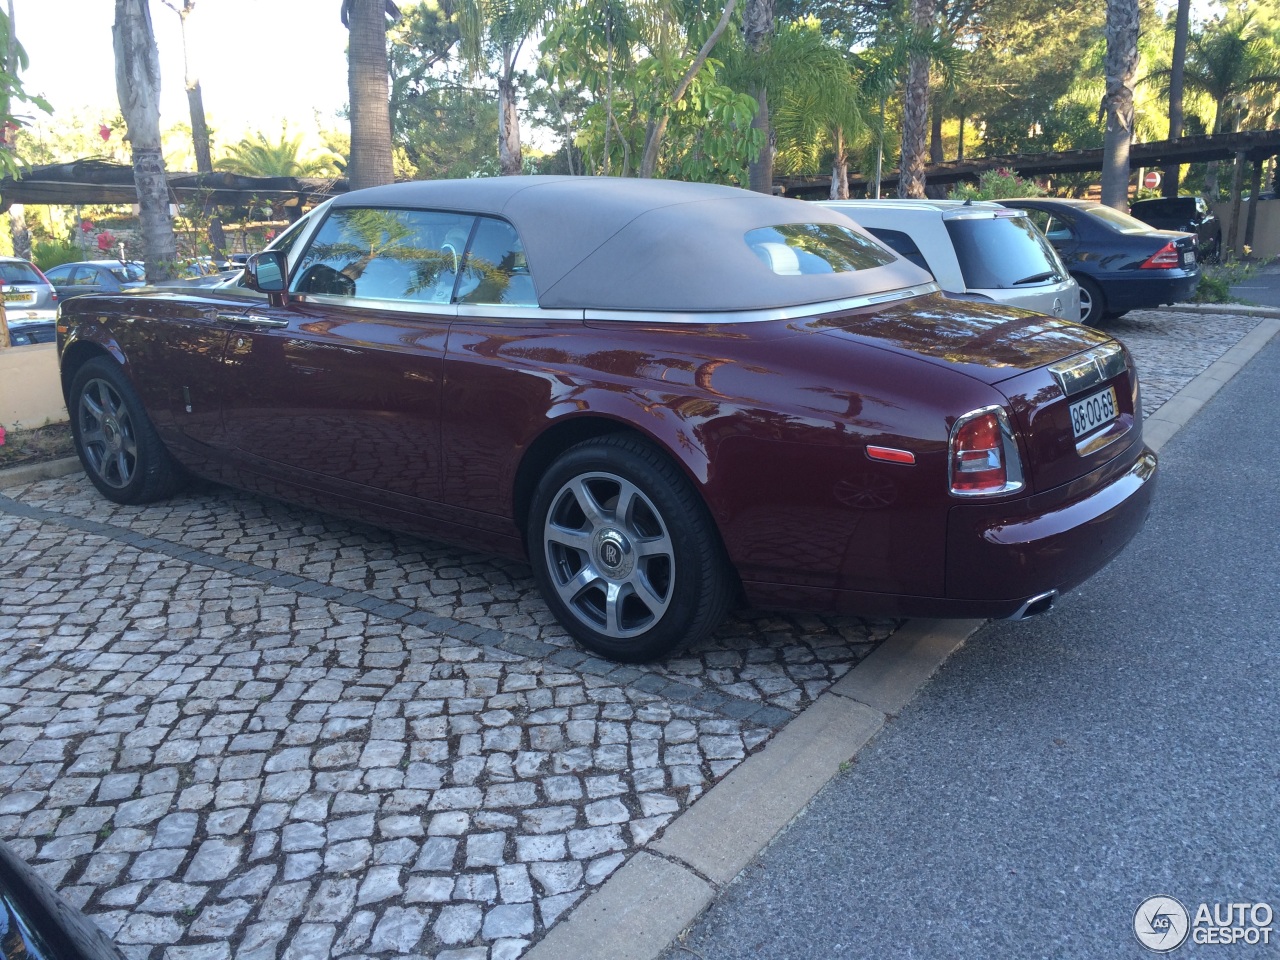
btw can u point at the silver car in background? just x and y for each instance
(974, 249)
(28, 296)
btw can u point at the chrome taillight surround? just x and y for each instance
(1009, 450)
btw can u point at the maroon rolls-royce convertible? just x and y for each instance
(666, 395)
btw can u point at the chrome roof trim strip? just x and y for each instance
(760, 316)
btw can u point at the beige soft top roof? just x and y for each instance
(627, 244)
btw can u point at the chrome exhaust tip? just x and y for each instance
(1040, 603)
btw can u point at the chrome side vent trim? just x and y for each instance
(1087, 370)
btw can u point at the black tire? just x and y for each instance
(630, 585)
(117, 443)
(1093, 305)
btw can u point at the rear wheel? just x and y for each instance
(625, 552)
(1092, 304)
(117, 443)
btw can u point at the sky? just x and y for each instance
(261, 62)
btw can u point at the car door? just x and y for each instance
(503, 373)
(339, 388)
(1061, 233)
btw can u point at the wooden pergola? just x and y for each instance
(103, 181)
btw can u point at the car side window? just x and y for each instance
(496, 270)
(376, 254)
(59, 274)
(1054, 228)
(901, 244)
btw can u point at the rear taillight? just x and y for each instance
(983, 455)
(1164, 258)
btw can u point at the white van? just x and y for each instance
(973, 248)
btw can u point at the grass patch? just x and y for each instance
(50, 442)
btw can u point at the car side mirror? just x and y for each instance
(265, 272)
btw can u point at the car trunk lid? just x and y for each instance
(1048, 369)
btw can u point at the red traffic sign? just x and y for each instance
(1151, 179)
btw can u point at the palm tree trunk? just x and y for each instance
(138, 87)
(1177, 74)
(1121, 64)
(915, 110)
(370, 95)
(935, 132)
(199, 126)
(757, 28)
(839, 167)
(508, 119)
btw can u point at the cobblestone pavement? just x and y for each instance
(234, 728)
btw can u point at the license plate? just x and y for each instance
(1092, 412)
(19, 296)
(1188, 258)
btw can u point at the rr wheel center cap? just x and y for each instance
(111, 430)
(614, 553)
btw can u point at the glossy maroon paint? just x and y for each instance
(441, 425)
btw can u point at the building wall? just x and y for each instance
(30, 391)
(1266, 232)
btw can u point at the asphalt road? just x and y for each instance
(1263, 288)
(1058, 772)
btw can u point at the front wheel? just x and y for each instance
(116, 441)
(625, 552)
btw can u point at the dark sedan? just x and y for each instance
(666, 395)
(1121, 263)
(96, 276)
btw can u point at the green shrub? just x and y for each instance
(1001, 184)
(1216, 281)
(49, 253)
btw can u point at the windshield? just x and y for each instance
(1116, 220)
(1001, 253)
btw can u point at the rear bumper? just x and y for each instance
(1133, 291)
(1054, 541)
(1003, 557)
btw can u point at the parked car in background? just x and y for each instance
(978, 249)
(97, 276)
(28, 294)
(37, 924)
(23, 333)
(664, 395)
(1121, 263)
(1188, 214)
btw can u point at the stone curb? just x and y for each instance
(1235, 309)
(657, 895)
(31, 472)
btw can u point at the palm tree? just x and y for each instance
(1226, 62)
(915, 108)
(199, 126)
(506, 24)
(138, 87)
(819, 108)
(1117, 102)
(367, 73)
(1177, 73)
(757, 29)
(258, 157)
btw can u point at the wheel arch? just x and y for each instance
(562, 434)
(79, 352)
